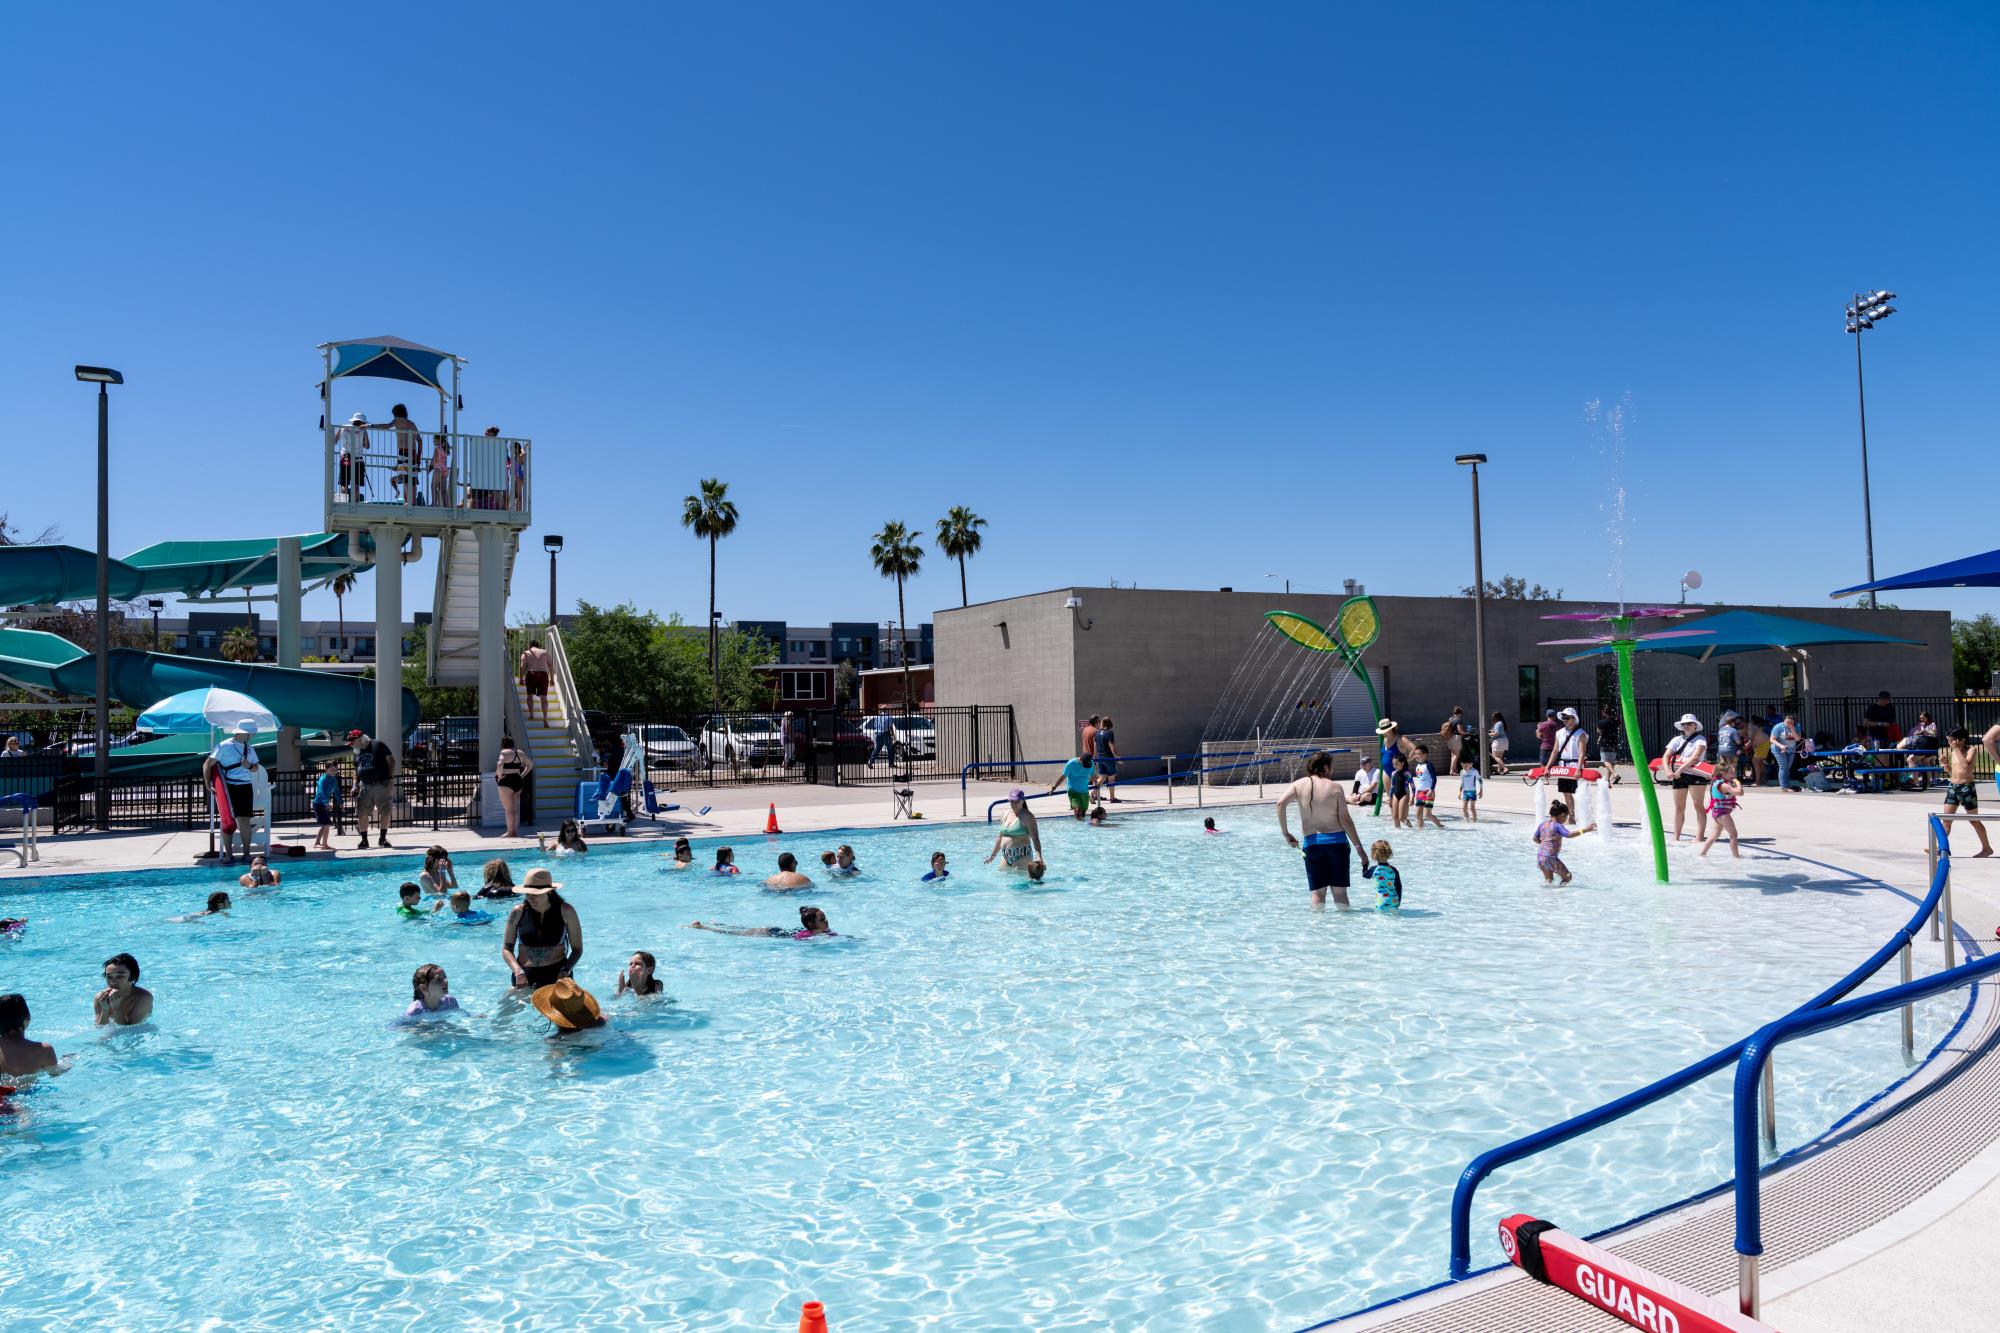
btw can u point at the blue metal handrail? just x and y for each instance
(1493, 1159)
(1200, 770)
(1756, 1054)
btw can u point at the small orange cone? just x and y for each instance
(771, 820)
(812, 1318)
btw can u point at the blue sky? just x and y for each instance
(1172, 294)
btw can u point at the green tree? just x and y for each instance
(618, 656)
(711, 514)
(1975, 652)
(1511, 589)
(239, 644)
(957, 538)
(896, 555)
(436, 701)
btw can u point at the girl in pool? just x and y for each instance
(438, 879)
(683, 854)
(1549, 835)
(1723, 793)
(1020, 837)
(431, 990)
(569, 841)
(499, 880)
(638, 976)
(218, 905)
(725, 861)
(13, 927)
(1399, 793)
(811, 920)
(260, 875)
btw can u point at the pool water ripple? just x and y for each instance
(1159, 1092)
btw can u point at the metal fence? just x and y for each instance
(841, 749)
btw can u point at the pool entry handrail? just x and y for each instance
(1199, 770)
(1541, 1140)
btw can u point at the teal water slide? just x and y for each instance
(45, 575)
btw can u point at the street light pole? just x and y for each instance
(552, 544)
(1868, 307)
(101, 787)
(1478, 620)
(154, 604)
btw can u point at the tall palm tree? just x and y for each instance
(957, 538)
(342, 584)
(712, 515)
(239, 644)
(896, 555)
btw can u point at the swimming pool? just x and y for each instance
(1158, 1092)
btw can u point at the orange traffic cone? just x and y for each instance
(771, 820)
(812, 1318)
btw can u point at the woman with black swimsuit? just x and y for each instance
(510, 774)
(544, 939)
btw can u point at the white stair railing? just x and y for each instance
(572, 702)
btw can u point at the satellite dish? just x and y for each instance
(1691, 579)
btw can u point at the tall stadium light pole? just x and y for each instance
(1483, 751)
(552, 544)
(101, 795)
(1867, 310)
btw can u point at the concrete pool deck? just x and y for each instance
(1917, 1266)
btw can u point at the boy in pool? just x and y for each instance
(409, 894)
(1388, 879)
(1423, 782)
(1961, 789)
(326, 798)
(123, 1001)
(462, 913)
(431, 990)
(937, 870)
(1076, 773)
(1470, 785)
(1549, 835)
(218, 905)
(260, 874)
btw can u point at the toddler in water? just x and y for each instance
(725, 861)
(937, 870)
(432, 994)
(1549, 835)
(408, 909)
(1723, 792)
(1388, 879)
(1470, 785)
(1208, 825)
(1424, 782)
(462, 913)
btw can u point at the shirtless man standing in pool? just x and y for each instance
(1330, 835)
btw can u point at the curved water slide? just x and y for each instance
(45, 575)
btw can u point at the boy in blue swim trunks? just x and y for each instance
(1330, 835)
(1077, 774)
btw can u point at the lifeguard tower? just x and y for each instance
(385, 490)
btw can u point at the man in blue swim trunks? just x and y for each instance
(1330, 835)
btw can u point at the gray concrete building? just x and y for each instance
(1158, 661)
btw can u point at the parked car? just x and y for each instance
(835, 736)
(669, 747)
(742, 740)
(457, 746)
(915, 738)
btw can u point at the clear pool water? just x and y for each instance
(1159, 1092)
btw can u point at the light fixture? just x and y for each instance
(552, 543)
(1470, 460)
(98, 375)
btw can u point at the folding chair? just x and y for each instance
(905, 806)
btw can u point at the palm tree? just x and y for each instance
(712, 515)
(342, 584)
(240, 644)
(896, 555)
(957, 538)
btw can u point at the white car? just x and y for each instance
(915, 738)
(743, 740)
(669, 747)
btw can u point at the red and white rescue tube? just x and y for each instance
(1570, 771)
(1591, 802)
(1620, 1289)
(1705, 771)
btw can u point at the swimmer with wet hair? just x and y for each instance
(462, 913)
(683, 854)
(408, 897)
(123, 1001)
(812, 922)
(218, 905)
(725, 861)
(431, 992)
(638, 975)
(18, 1055)
(260, 874)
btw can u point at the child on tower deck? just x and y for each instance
(1961, 790)
(1549, 835)
(1470, 785)
(1388, 879)
(1723, 793)
(1423, 782)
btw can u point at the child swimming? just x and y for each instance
(937, 870)
(462, 913)
(1549, 835)
(218, 905)
(725, 861)
(638, 975)
(1208, 825)
(260, 874)
(812, 922)
(1388, 879)
(407, 908)
(431, 990)
(683, 854)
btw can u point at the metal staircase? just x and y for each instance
(452, 656)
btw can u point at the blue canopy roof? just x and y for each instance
(391, 359)
(1974, 571)
(1755, 631)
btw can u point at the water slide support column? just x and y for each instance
(290, 579)
(389, 638)
(492, 643)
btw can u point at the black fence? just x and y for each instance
(1832, 721)
(834, 748)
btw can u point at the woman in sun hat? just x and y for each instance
(569, 1006)
(543, 939)
(1678, 765)
(1019, 843)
